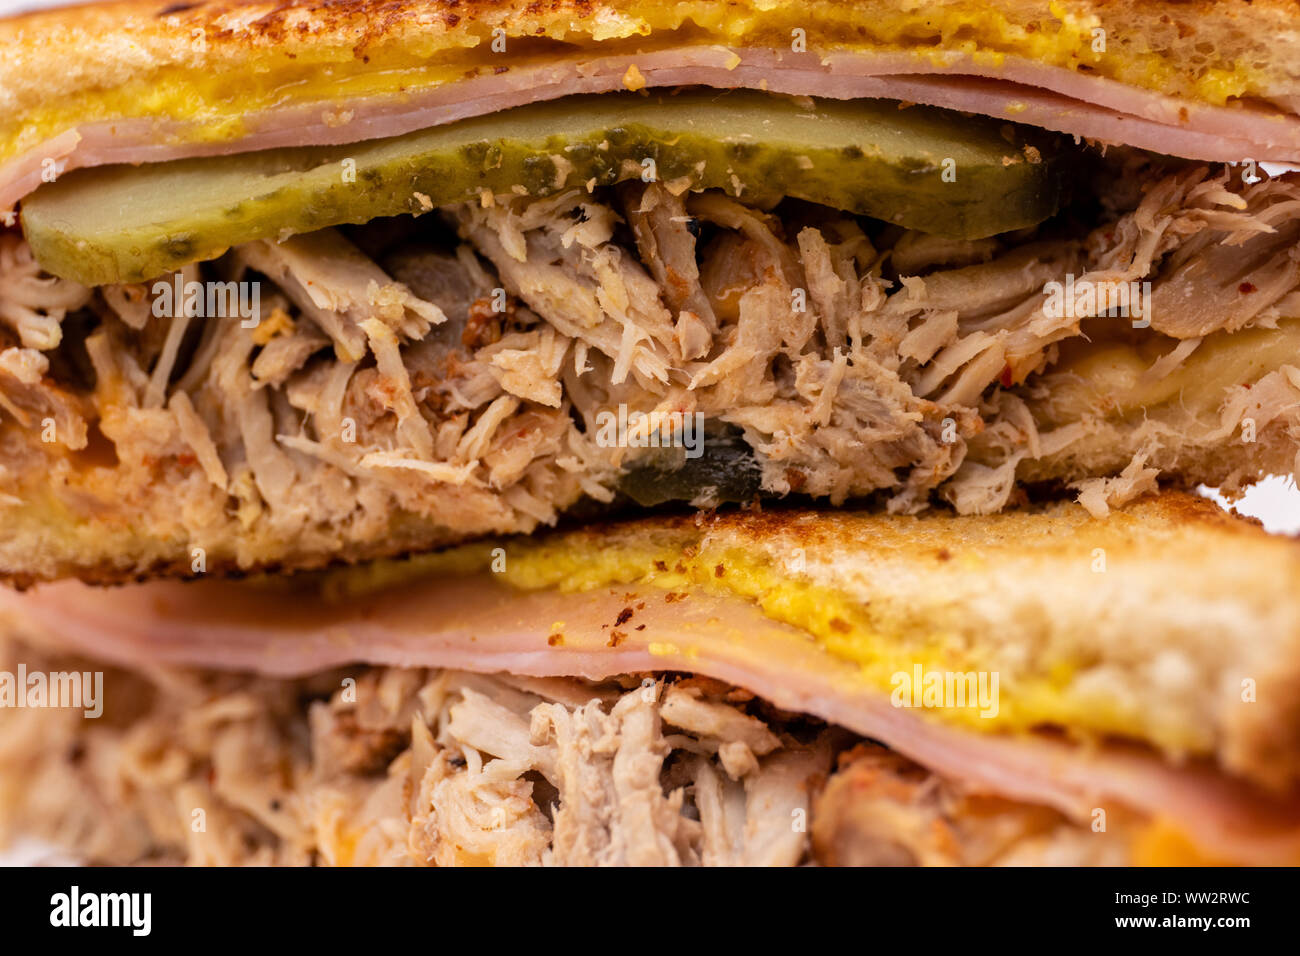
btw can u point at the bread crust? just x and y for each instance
(1185, 614)
(1170, 622)
(103, 60)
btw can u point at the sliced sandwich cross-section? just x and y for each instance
(1052, 663)
(486, 368)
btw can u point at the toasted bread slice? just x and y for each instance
(1170, 623)
(170, 79)
(1210, 51)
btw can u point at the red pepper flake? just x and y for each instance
(1005, 377)
(719, 571)
(661, 566)
(640, 627)
(616, 638)
(624, 616)
(555, 640)
(1246, 288)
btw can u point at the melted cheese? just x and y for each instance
(1109, 379)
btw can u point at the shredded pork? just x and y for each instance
(390, 380)
(413, 767)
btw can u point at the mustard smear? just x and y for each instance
(839, 624)
(210, 98)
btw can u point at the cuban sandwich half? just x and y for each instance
(651, 433)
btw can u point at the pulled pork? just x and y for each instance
(394, 377)
(417, 767)
(385, 766)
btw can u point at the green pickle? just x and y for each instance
(727, 471)
(946, 173)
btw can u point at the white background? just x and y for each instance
(17, 6)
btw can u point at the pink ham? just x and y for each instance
(1020, 90)
(478, 624)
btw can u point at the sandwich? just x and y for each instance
(1036, 687)
(624, 433)
(492, 266)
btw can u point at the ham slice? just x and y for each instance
(283, 629)
(1021, 90)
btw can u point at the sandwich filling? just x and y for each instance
(390, 766)
(494, 364)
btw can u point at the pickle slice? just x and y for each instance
(726, 472)
(927, 169)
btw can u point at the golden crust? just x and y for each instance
(302, 25)
(1048, 528)
(216, 60)
(1180, 619)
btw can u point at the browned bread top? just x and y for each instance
(216, 61)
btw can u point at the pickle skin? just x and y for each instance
(727, 473)
(926, 169)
